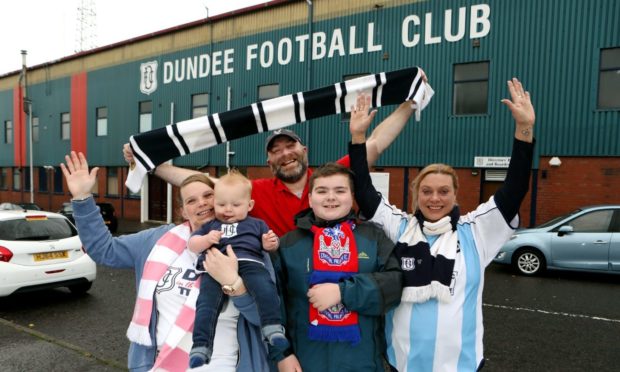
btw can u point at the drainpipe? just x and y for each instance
(229, 153)
(168, 185)
(534, 197)
(309, 56)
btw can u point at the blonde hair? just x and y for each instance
(437, 168)
(198, 177)
(235, 177)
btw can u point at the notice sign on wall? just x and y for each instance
(381, 181)
(491, 161)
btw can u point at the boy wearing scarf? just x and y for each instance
(336, 279)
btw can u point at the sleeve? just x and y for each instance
(366, 195)
(122, 252)
(278, 354)
(374, 293)
(263, 228)
(509, 197)
(371, 203)
(203, 230)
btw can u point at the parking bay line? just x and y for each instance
(61, 343)
(546, 312)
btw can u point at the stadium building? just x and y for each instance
(566, 52)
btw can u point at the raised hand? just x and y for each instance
(361, 118)
(128, 153)
(522, 110)
(79, 180)
(270, 241)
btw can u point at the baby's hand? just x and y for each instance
(199, 243)
(270, 241)
(212, 238)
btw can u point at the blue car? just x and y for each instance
(587, 239)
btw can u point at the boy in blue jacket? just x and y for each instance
(337, 277)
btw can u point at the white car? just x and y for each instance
(40, 250)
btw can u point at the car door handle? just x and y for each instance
(600, 242)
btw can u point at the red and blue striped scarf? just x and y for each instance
(334, 258)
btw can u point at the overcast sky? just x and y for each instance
(47, 28)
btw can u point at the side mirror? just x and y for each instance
(566, 229)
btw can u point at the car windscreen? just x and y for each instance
(40, 228)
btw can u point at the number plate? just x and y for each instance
(50, 256)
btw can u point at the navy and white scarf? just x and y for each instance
(162, 144)
(427, 271)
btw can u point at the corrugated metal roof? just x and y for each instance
(553, 46)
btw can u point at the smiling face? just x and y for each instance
(435, 189)
(288, 159)
(197, 198)
(436, 196)
(331, 197)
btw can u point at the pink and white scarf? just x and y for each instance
(164, 253)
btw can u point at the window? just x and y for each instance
(346, 116)
(4, 179)
(471, 88)
(8, 132)
(112, 181)
(609, 79)
(133, 195)
(58, 177)
(597, 221)
(42, 179)
(51, 228)
(35, 129)
(65, 126)
(146, 116)
(102, 121)
(270, 91)
(95, 189)
(27, 179)
(200, 105)
(17, 179)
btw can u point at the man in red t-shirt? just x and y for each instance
(279, 199)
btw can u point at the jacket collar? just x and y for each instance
(306, 219)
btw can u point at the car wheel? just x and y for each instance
(529, 261)
(82, 288)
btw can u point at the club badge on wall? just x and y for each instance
(148, 77)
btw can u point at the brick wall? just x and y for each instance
(576, 182)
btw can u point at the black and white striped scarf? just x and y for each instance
(427, 271)
(159, 145)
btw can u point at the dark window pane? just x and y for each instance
(42, 179)
(470, 98)
(200, 100)
(102, 112)
(58, 178)
(268, 91)
(471, 71)
(146, 107)
(610, 58)
(609, 89)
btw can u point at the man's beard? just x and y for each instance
(294, 175)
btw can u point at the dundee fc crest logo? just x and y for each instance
(148, 77)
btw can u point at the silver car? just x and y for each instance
(587, 239)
